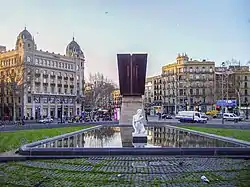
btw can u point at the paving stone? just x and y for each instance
(141, 171)
(58, 166)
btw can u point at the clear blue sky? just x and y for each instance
(217, 30)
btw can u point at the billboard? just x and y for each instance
(226, 103)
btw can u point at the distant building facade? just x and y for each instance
(54, 83)
(188, 85)
(116, 98)
(2, 49)
(233, 83)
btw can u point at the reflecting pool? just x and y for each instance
(112, 137)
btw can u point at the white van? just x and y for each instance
(190, 116)
(231, 117)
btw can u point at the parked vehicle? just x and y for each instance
(46, 120)
(191, 116)
(212, 112)
(166, 116)
(231, 117)
(203, 115)
(242, 116)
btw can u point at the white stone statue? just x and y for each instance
(138, 123)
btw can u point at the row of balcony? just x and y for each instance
(54, 84)
(58, 77)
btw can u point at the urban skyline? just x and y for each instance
(219, 36)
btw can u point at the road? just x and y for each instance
(214, 123)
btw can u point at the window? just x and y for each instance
(211, 69)
(45, 72)
(65, 90)
(190, 69)
(37, 61)
(29, 99)
(77, 67)
(197, 92)
(45, 88)
(37, 89)
(59, 90)
(191, 91)
(77, 77)
(52, 73)
(44, 80)
(71, 91)
(204, 91)
(52, 88)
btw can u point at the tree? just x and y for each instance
(15, 79)
(98, 91)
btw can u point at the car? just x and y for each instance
(166, 116)
(231, 117)
(46, 120)
(203, 115)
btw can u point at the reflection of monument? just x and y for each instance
(132, 74)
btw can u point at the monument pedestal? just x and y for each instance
(130, 105)
(139, 138)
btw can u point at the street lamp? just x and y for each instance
(61, 111)
(247, 109)
(222, 92)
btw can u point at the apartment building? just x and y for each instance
(52, 84)
(233, 83)
(188, 84)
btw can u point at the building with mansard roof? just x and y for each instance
(46, 84)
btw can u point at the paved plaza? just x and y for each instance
(126, 171)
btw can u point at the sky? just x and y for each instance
(213, 30)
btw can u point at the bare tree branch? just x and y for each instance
(15, 79)
(98, 90)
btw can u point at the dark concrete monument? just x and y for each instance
(132, 75)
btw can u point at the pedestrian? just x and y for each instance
(146, 116)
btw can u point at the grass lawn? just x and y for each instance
(13, 140)
(233, 133)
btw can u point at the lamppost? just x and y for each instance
(247, 109)
(61, 111)
(222, 92)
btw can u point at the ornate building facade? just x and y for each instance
(52, 84)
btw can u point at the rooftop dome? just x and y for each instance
(25, 34)
(73, 48)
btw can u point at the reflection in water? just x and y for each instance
(122, 137)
